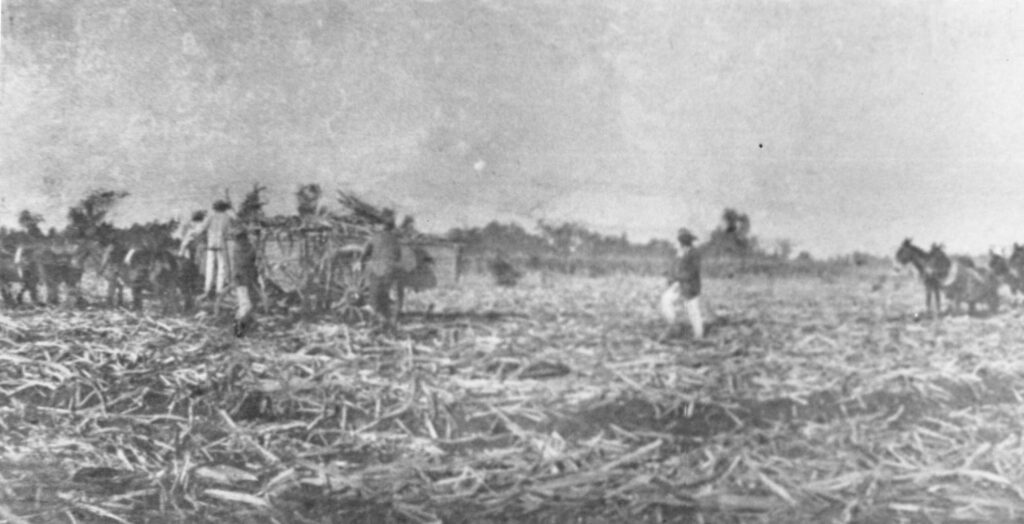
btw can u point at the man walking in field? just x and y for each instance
(684, 286)
(217, 227)
(380, 262)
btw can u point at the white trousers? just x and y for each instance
(673, 305)
(244, 303)
(696, 319)
(216, 267)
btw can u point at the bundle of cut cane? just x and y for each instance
(361, 210)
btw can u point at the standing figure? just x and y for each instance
(245, 278)
(217, 227)
(192, 255)
(381, 259)
(684, 286)
(193, 241)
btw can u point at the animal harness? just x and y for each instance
(17, 262)
(953, 273)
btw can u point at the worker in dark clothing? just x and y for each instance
(380, 266)
(245, 276)
(684, 286)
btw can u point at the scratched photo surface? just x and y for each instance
(837, 340)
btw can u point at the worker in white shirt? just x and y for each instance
(217, 226)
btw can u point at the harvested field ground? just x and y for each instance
(816, 401)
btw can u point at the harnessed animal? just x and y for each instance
(162, 273)
(53, 266)
(1016, 260)
(148, 270)
(962, 282)
(11, 275)
(1006, 273)
(415, 272)
(908, 253)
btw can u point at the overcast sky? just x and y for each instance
(837, 125)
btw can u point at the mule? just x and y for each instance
(26, 280)
(908, 253)
(56, 266)
(162, 273)
(148, 270)
(962, 282)
(1007, 274)
(415, 272)
(1016, 260)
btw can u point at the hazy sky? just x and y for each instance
(838, 125)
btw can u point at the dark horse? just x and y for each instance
(1017, 256)
(158, 271)
(26, 277)
(53, 265)
(1006, 272)
(1016, 261)
(415, 272)
(908, 253)
(962, 282)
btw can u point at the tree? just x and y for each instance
(565, 238)
(30, 221)
(251, 209)
(736, 223)
(88, 218)
(732, 237)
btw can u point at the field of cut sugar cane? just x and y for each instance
(815, 400)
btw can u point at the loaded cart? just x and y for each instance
(311, 266)
(312, 261)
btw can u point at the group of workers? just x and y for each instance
(220, 242)
(222, 239)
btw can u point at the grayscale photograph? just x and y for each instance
(511, 261)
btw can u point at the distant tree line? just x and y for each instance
(567, 247)
(730, 249)
(89, 220)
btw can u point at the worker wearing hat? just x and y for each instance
(684, 284)
(217, 226)
(193, 241)
(381, 259)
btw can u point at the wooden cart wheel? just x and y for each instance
(353, 290)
